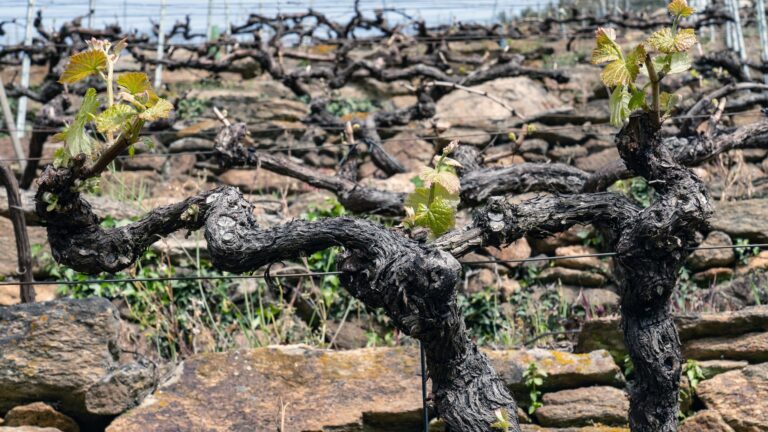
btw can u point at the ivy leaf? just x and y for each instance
(619, 105)
(624, 70)
(160, 109)
(667, 42)
(114, 118)
(76, 139)
(134, 82)
(82, 65)
(680, 8)
(607, 50)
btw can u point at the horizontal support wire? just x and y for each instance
(330, 146)
(522, 121)
(327, 273)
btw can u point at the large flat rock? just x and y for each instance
(705, 421)
(526, 96)
(597, 428)
(584, 406)
(605, 333)
(68, 353)
(752, 347)
(740, 397)
(371, 389)
(314, 389)
(564, 370)
(743, 218)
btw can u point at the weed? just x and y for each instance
(636, 188)
(533, 378)
(191, 108)
(342, 107)
(743, 254)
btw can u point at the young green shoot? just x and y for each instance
(118, 124)
(664, 53)
(434, 202)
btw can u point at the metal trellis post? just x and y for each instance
(160, 46)
(209, 22)
(21, 114)
(763, 30)
(8, 116)
(739, 37)
(91, 11)
(424, 407)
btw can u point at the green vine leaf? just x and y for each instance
(619, 105)
(444, 177)
(637, 100)
(134, 82)
(668, 101)
(670, 64)
(82, 65)
(607, 50)
(160, 109)
(115, 118)
(667, 42)
(679, 63)
(621, 69)
(439, 215)
(624, 71)
(680, 8)
(76, 140)
(433, 208)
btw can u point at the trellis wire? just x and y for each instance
(414, 129)
(337, 145)
(328, 273)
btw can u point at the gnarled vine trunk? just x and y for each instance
(416, 283)
(651, 250)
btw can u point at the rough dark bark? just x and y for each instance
(415, 284)
(76, 238)
(651, 246)
(499, 223)
(23, 250)
(686, 151)
(651, 250)
(479, 185)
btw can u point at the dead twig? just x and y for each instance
(477, 92)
